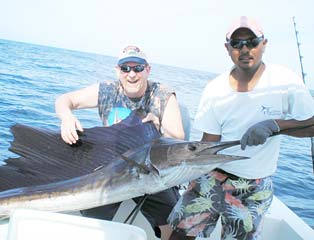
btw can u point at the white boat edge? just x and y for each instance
(280, 224)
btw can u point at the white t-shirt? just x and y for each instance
(279, 94)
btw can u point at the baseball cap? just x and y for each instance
(245, 22)
(132, 53)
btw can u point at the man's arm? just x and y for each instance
(172, 121)
(259, 132)
(297, 128)
(83, 98)
(210, 137)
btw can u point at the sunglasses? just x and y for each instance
(136, 69)
(249, 43)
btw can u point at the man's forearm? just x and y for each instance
(297, 128)
(63, 107)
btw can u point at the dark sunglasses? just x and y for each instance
(250, 43)
(137, 68)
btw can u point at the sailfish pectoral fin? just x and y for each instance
(140, 157)
(142, 167)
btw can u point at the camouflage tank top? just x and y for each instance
(114, 105)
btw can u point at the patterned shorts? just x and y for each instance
(241, 204)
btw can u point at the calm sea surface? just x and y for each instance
(32, 76)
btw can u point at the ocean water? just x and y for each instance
(32, 76)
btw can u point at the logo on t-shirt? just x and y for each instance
(269, 111)
(117, 114)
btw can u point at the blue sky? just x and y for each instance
(174, 32)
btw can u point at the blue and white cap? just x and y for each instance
(132, 53)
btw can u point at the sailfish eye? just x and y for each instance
(191, 147)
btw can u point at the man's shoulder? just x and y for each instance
(219, 77)
(108, 88)
(160, 86)
(277, 68)
(282, 74)
(219, 82)
(108, 84)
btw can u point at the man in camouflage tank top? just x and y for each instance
(115, 100)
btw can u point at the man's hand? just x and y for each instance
(258, 133)
(151, 117)
(69, 125)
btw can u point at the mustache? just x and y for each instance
(245, 55)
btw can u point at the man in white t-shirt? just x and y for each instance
(250, 102)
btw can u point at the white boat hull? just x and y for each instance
(280, 224)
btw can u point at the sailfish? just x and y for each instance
(106, 165)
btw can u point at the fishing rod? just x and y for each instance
(303, 77)
(299, 51)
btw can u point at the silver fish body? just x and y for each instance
(151, 168)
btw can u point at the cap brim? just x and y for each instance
(232, 31)
(132, 59)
